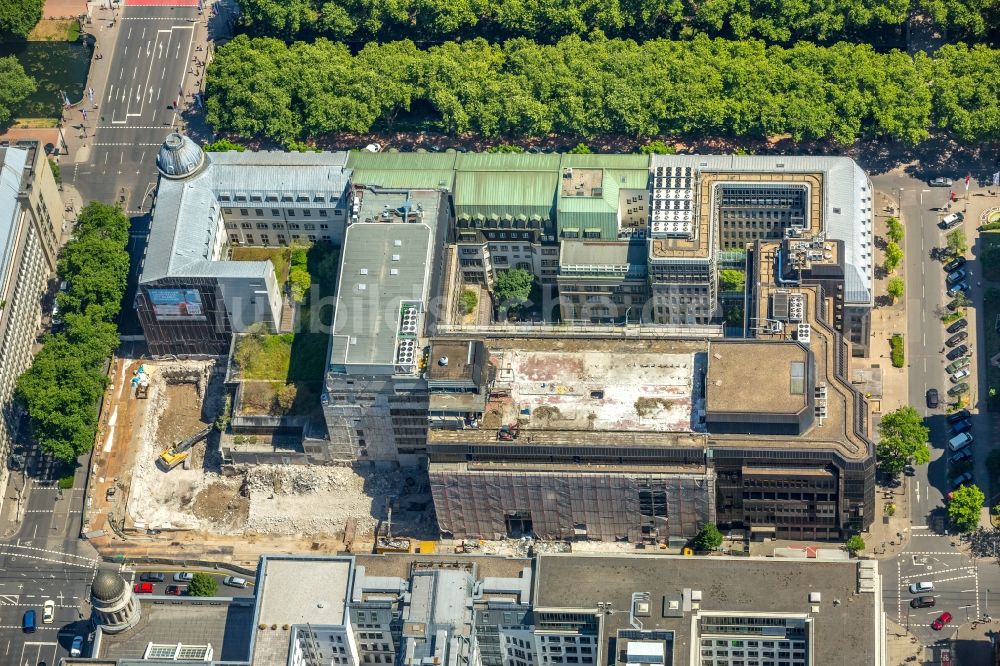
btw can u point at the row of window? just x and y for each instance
(276, 225)
(289, 212)
(282, 240)
(301, 198)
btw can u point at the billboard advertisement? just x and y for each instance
(176, 304)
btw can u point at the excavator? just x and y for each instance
(178, 453)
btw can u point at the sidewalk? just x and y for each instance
(888, 536)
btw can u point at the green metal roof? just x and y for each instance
(407, 179)
(505, 192)
(362, 159)
(606, 161)
(507, 162)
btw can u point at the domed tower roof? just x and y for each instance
(179, 157)
(107, 586)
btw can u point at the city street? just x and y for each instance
(150, 54)
(44, 559)
(963, 585)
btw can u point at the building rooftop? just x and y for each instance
(738, 374)
(843, 623)
(185, 237)
(385, 269)
(841, 203)
(591, 390)
(227, 627)
(12, 164)
(461, 360)
(629, 256)
(297, 590)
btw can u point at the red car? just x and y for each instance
(939, 623)
(143, 588)
(177, 590)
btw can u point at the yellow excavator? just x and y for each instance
(178, 453)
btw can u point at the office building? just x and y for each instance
(31, 231)
(191, 296)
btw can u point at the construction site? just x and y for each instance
(160, 473)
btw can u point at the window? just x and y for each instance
(293, 226)
(290, 212)
(324, 226)
(246, 225)
(244, 212)
(310, 227)
(275, 212)
(259, 212)
(307, 213)
(338, 212)
(262, 225)
(265, 240)
(227, 211)
(249, 239)
(322, 213)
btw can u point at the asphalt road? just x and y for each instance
(44, 559)
(150, 60)
(964, 586)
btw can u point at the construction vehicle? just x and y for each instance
(508, 432)
(388, 543)
(140, 382)
(178, 453)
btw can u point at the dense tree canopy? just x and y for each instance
(61, 389)
(965, 507)
(265, 88)
(15, 86)
(18, 17)
(778, 21)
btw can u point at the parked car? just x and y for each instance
(76, 649)
(923, 602)
(941, 181)
(960, 375)
(143, 588)
(954, 366)
(177, 590)
(961, 480)
(943, 619)
(152, 577)
(958, 325)
(961, 350)
(183, 577)
(957, 287)
(964, 454)
(234, 581)
(954, 264)
(960, 415)
(953, 304)
(959, 442)
(921, 587)
(932, 398)
(48, 611)
(961, 426)
(955, 276)
(951, 221)
(958, 389)
(28, 621)
(961, 336)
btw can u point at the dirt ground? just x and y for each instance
(259, 499)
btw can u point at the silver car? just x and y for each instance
(941, 181)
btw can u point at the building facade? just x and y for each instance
(31, 231)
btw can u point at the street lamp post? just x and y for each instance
(899, 200)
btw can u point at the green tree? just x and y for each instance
(964, 508)
(963, 81)
(708, 538)
(957, 243)
(505, 148)
(895, 287)
(56, 171)
(902, 440)
(855, 544)
(893, 255)
(732, 280)
(512, 288)
(657, 147)
(16, 84)
(61, 389)
(202, 585)
(285, 397)
(468, 300)
(223, 145)
(895, 230)
(18, 18)
(580, 149)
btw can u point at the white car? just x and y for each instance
(234, 581)
(921, 587)
(960, 375)
(49, 612)
(183, 577)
